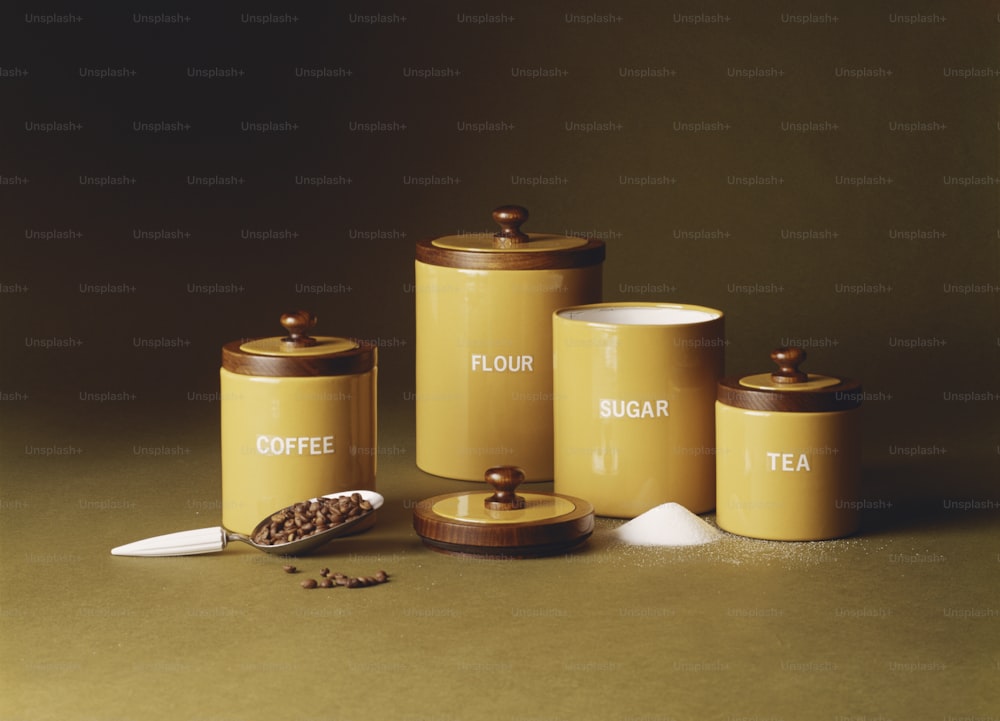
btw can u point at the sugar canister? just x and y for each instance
(634, 418)
(298, 420)
(484, 303)
(788, 453)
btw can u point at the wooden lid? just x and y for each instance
(501, 523)
(789, 389)
(509, 248)
(298, 354)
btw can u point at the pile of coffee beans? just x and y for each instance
(310, 517)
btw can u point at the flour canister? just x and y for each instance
(298, 420)
(789, 453)
(484, 303)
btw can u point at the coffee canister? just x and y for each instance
(484, 303)
(788, 453)
(298, 420)
(634, 388)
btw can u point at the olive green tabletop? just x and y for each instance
(897, 622)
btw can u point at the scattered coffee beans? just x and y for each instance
(289, 569)
(332, 580)
(309, 517)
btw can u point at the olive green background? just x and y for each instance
(827, 176)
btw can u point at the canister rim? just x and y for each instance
(358, 359)
(842, 396)
(589, 314)
(589, 252)
(486, 243)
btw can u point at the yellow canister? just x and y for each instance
(298, 420)
(484, 304)
(788, 453)
(634, 392)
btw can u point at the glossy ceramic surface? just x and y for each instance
(634, 389)
(787, 476)
(285, 439)
(484, 365)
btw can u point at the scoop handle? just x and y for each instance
(182, 543)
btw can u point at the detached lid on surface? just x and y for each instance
(509, 248)
(789, 389)
(298, 354)
(501, 523)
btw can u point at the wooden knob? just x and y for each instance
(509, 218)
(296, 324)
(788, 360)
(503, 480)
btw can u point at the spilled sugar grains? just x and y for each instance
(669, 524)
(731, 549)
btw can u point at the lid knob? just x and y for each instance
(503, 480)
(788, 360)
(297, 323)
(509, 218)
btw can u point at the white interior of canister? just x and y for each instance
(640, 315)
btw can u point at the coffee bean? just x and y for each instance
(333, 580)
(305, 519)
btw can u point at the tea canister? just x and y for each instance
(484, 304)
(788, 453)
(298, 418)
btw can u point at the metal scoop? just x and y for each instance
(214, 539)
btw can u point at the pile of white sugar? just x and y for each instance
(670, 524)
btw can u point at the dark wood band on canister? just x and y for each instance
(580, 257)
(348, 362)
(841, 397)
(518, 552)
